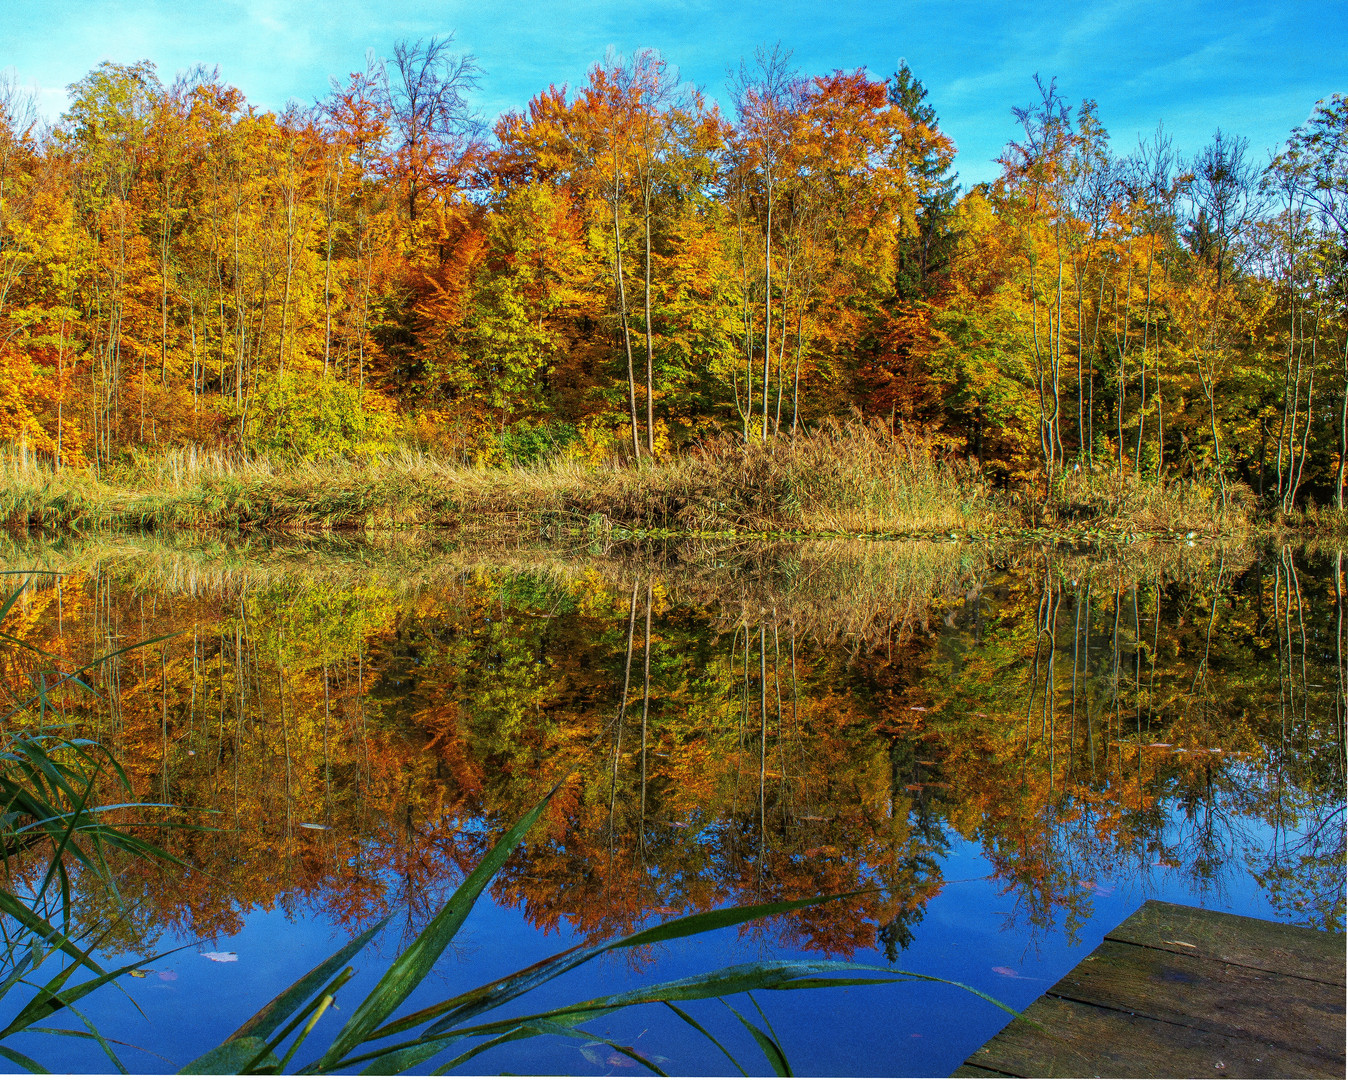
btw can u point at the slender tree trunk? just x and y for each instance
(1343, 431)
(795, 378)
(622, 312)
(1142, 388)
(650, 348)
(767, 307)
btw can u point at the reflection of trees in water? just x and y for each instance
(1177, 747)
(731, 747)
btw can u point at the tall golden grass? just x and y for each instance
(855, 478)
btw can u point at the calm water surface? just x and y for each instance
(1008, 752)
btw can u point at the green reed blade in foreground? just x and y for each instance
(706, 1034)
(54, 996)
(771, 1050)
(475, 1002)
(274, 1013)
(416, 961)
(232, 1056)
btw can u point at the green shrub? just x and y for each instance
(316, 417)
(524, 443)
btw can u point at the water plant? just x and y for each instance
(51, 828)
(459, 1025)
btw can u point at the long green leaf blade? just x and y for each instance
(687, 1019)
(23, 1061)
(59, 996)
(11, 906)
(275, 1013)
(230, 1057)
(416, 961)
(493, 995)
(774, 1053)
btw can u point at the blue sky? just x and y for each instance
(1254, 69)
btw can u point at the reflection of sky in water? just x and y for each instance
(970, 934)
(1206, 841)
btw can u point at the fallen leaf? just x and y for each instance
(169, 976)
(311, 825)
(1186, 944)
(1010, 973)
(221, 957)
(139, 973)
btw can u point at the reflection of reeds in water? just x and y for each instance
(827, 589)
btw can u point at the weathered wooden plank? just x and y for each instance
(1084, 1040)
(973, 1070)
(1226, 999)
(1235, 939)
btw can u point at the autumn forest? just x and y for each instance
(624, 269)
(941, 570)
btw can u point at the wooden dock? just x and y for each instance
(1181, 992)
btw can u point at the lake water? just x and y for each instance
(1006, 751)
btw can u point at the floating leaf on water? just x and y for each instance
(139, 973)
(1010, 973)
(221, 957)
(169, 976)
(621, 1061)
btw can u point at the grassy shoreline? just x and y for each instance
(851, 480)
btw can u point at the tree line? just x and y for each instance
(624, 267)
